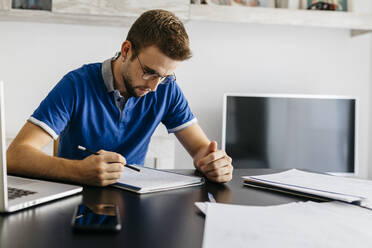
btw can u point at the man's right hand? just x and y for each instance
(101, 170)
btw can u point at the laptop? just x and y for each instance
(17, 193)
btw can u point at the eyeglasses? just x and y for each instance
(152, 75)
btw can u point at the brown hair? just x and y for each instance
(162, 29)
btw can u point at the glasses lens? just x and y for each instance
(147, 76)
(162, 80)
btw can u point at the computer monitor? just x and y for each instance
(316, 133)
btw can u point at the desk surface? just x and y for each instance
(164, 219)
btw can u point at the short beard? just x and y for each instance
(130, 90)
(128, 86)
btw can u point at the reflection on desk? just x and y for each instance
(17, 229)
(163, 219)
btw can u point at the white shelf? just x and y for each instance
(357, 23)
(87, 12)
(64, 18)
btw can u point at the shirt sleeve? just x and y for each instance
(56, 110)
(179, 115)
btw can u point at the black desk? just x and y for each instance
(164, 219)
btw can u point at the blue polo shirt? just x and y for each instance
(85, 109)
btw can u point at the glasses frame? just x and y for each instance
(152, 76)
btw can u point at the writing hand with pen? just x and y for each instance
(102, 168)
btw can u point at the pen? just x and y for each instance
(211, 198)
(95, 153)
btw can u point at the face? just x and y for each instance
(143, 74)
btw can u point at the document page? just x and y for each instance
(304, 224)
(338, 188)
(149, 179)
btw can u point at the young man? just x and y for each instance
(114, 107)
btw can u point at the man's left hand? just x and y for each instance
(215, 164)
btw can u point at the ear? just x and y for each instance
(126, 49)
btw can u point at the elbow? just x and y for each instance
(11, 158)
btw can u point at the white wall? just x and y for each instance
(34, 57)
(274, 59)
(227, 58)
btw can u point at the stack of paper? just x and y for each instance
(305, 224)
(351, 190)
(151, 180)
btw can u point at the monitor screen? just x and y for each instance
(304, 132)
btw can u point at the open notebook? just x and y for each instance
(314, 185)
(152, 180)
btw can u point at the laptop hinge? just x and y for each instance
(3, 175)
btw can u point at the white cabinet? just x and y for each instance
(161, 153)
(4, 4)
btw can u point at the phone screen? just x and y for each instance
(97, 217)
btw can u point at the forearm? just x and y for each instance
(213, 163)
(194, 140)
(29, 161)
(199, 152)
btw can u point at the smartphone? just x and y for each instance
(96, 217)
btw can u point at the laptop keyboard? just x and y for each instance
(14, 193)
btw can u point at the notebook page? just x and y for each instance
(340, 188)
(150, 179)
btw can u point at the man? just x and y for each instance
(114, 107)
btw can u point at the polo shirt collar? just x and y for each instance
(108, 77)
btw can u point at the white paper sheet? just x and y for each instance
(306, 224)
(340, 188)
(202, 206)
